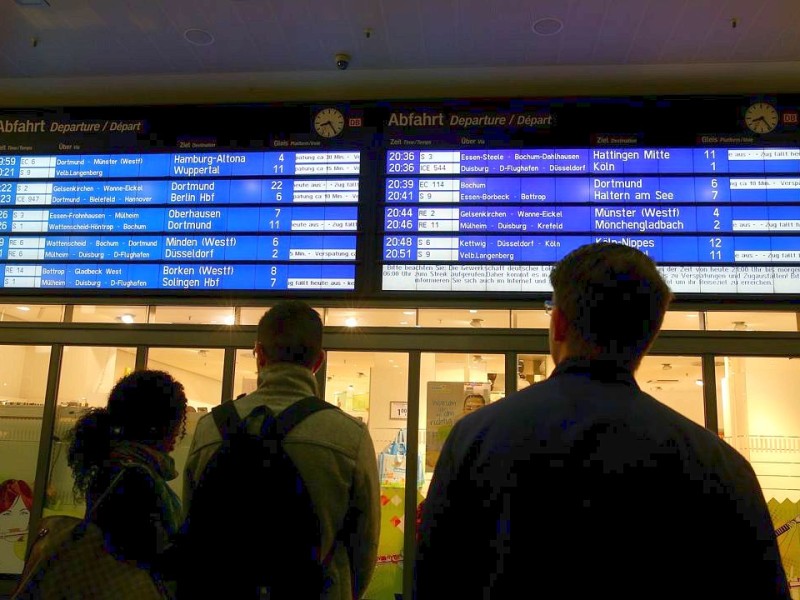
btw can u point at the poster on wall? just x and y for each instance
(448, 401)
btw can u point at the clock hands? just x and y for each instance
(329, 125)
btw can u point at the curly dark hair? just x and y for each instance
(145, 406)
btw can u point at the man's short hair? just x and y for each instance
(613, 299)
(291, 332)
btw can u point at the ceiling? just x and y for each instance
(135, 51)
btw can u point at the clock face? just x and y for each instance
(329, 122)
(761, 117)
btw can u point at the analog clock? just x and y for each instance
(761, 117)
(329, 122)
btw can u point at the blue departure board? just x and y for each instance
(716, 220)
(211, 221)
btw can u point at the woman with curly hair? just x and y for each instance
(132, 438)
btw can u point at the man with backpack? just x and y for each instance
(281, 490)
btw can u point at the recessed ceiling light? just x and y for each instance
(198, 37)
(472, 311)
(350, 322)
(409, 312)
(547, 26)
(229, 320)
(126, 318)
(24, 308)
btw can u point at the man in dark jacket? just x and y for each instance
(583, 486)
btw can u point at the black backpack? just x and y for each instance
(251, 531)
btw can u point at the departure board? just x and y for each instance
(716, 220)
(275, 220)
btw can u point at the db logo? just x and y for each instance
(355, 122)
(790, 117)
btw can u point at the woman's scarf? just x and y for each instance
(160, 464)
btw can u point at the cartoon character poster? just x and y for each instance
(786, 519)
(16, 499)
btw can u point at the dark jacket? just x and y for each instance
(141, 512)
(585, 486)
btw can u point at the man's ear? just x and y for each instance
(318, 362)
(261, 359)
(559, 324)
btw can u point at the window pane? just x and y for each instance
(193, 315)
(109, 314)
(51, 313)
(676, 381)
(451, 385)
(434, 317)
(23, 380)
(251, 315)
(373, 387)
(760, 417)
(245, 375)
(530, 319)
(372, 317)
(198, 369)
(751, 321)
(532, 368)
(200, 372)
(681, 320)
(87, 376)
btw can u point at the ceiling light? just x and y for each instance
(24, 308)
(698, 382)
(126, 318)
(350, 322)
(547, 26)
(198, 37)
(229, 320)
(473, 311)
(692, 315)
(33, 3)
(409, 312)
(403, 322)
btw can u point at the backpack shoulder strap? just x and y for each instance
(298, 411)
(226, 418)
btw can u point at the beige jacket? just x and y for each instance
(334, 453)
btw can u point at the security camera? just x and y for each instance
(342, 61)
